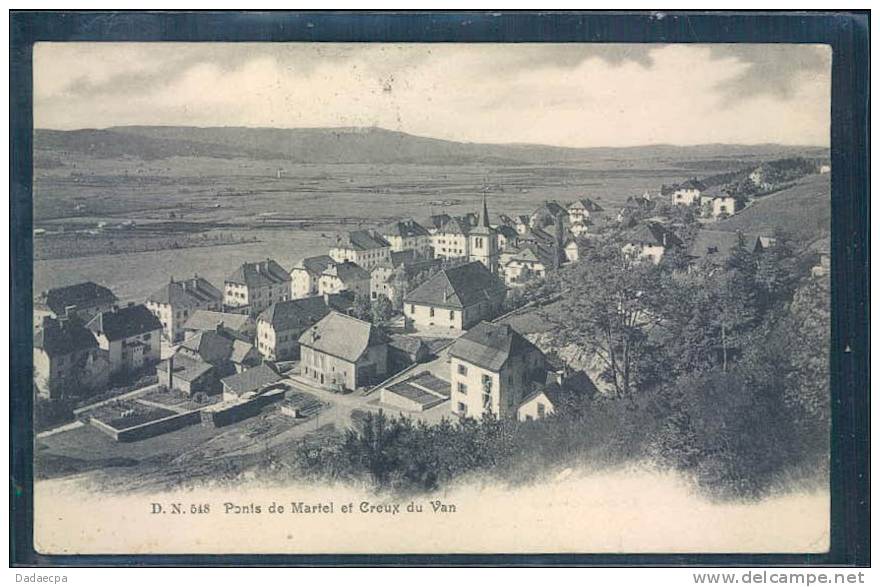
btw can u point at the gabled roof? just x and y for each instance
(455, 225)
(218, 347)
(550, 208)
(80, 295)
(407, 344)
(342, 336)
(189, 292)
(209, 320)
(124, 322)
(251, 380)
(459, 287)
(362, 240)
(692, 184)
(506, 231)
(714, 244)
(437, 221)
(653, 234)
(62, 337)
(404, 228)
(316, 265)
(348, 272)
(537, 235)
(490, 346)
(585, 204)
(532, 253)
(259, 274)
(295, 314)
(187, 368)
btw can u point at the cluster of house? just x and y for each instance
(714, 202)
(449, 272)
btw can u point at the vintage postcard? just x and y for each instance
(334, 298)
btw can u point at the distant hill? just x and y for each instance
(802, 210)
(362, 145)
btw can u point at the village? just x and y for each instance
(410, 317)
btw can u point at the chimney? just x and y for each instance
(314, 333)
(170, 372)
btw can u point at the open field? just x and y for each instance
(200, 203)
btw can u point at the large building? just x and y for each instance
(686, 193)
(456, 298)
(176, 301)
(67, 360)
(365, 248)
(492, 369)
(306, 275)
(407, 235)
(257, 286)
(280, 325)
(341, 352)
(132, 337)
(450, 240)
(81, 300)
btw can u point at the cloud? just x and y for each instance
(567, 94)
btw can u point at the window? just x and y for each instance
(452, 314)
(541, 410)
(462, 409)
(431, 312)
(412, 308)
(462, 388)
(462, 369)
(487, 383)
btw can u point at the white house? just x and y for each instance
(492, 369)
(257, 286)
(342, 352)
(407, 235)
(456, 298)
(304, 277)
(450, 240)
(176, 301)
(344, 276)
(130, 335)
(649, 240)
(580, 211)
(686, 193)
(366, 248)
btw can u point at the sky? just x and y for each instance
(574, 95)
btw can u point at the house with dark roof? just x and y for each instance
(547, 214)
(304, 277)
(527, 263)
(649, 240)
(252, 382)
(280, 325)
(366, 248)
(242, 326)
(450, 240)
(177, 300)
(404, 350)
(67, 359)
(492, 369)
(202, 360)
(394, 278)
(580, 210)
(435, 222)
(81, 300)
(407, 235)
(686, 193)
(257, 286)
(344, 276)
(132, 337)
(344, 353)
(550, 396)
(456, 298)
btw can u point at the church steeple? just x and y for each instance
(484, 214)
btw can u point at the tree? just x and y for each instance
(607, 308)
(363, 308)
(382, 310)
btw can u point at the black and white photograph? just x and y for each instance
(431, 298)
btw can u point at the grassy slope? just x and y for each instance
(803, 210)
